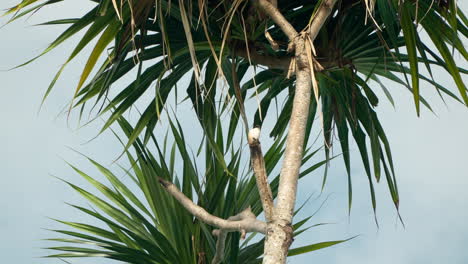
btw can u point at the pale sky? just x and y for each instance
(430, 155)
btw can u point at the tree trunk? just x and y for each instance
(279, 231)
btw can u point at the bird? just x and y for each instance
(254, 136)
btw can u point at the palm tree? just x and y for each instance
(319, 57)
(145, 224)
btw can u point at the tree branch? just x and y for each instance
(297, 126)
(220, 244)
(274, 3)
(277, 17)
(222, 234)
(247, 224)
(258, 165)
(320, 17)
(281, 63)
(243, 222)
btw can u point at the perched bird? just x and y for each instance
(254, 136)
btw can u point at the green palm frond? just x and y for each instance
(363, 41)
(145, 224)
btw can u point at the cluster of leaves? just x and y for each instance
(147, 225)
(361, 41)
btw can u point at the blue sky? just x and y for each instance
(430, 154)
